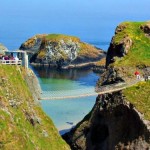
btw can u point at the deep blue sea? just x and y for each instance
(93, 22)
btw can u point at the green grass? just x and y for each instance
(87, 50)
(139, 54)
(16, 130)
(58, 37)
(139, 96)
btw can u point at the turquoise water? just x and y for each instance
(67, 112)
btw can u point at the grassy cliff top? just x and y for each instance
(83, 49)
(139, 96)
(139, 54)
(23, 125)
(58, 37)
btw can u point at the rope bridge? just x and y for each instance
(68, 94)
(85, 92)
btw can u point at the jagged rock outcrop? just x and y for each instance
(146, 28)
(117, 120)
(60, 50)
(119, 49)
(2, 49)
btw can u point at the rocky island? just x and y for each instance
(61, 51)
(120, 120)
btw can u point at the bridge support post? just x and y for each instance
(25, 60)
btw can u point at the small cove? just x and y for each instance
(67, 112)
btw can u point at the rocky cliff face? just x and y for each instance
(131, 42)
(60, 50)
(2, 49)
(146, 28)
(117, 120)
(112, 124)
(119, 49)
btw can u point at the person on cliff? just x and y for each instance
(137, 73)
(16, 59)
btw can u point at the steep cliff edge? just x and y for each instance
(2, 49)
(61, 50)
(23, 124)
(131, 45)
(120, 120)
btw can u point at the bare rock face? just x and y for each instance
(2, 49)
(118, 49)
(60, 50)
(120, 28)
(113, 124)
(146, 28)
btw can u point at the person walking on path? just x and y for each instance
(137, 73)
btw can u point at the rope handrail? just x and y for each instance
(87, 91)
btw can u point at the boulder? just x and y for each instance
(146, 28)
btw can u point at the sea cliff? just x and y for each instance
(23, 124)
(120, 120)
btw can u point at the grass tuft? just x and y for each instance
(139, 96)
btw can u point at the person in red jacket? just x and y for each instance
(137, 74)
